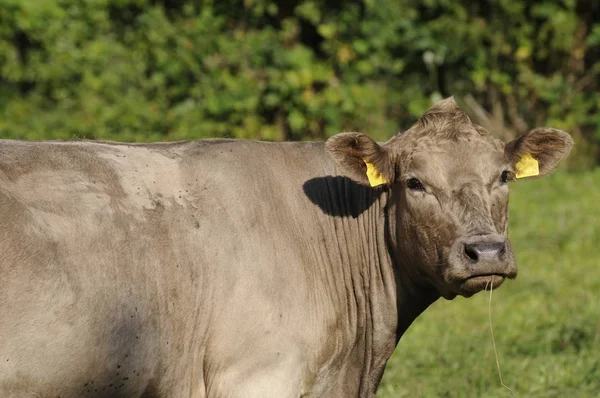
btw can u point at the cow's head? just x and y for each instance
(449, 180)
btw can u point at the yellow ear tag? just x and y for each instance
(374, 176)
(527, 166)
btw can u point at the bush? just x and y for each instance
(140, 70)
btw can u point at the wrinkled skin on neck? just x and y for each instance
(376, 295)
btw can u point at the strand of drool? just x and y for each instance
(494, 340)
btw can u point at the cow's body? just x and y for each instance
(245, 269)
(178, 269)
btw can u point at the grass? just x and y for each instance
(546, 322)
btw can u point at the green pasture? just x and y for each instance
(546, 322)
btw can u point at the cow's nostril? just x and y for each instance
(480, 251)
(471, 252)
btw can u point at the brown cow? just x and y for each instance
(225, 268)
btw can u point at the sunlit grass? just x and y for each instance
(546, 323)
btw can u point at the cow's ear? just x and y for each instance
(537, 152)
(361, 158)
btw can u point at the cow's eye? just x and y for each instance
(414, 184)
(505, 176)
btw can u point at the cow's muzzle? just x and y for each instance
(480, 261)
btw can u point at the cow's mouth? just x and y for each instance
(477, 283)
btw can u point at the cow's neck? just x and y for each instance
(380, 300)
(413, 293)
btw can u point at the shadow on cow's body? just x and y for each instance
(226, 268)
(340, 196)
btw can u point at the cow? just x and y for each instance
(229, 268)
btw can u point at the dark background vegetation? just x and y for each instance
(143, 70)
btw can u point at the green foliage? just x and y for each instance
(140, 70)
(546, 322)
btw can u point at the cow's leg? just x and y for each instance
(263, 382)
(267, 386)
